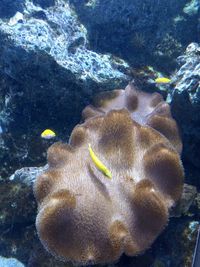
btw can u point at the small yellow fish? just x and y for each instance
(162, 80)
(99, 164)
(48, 134)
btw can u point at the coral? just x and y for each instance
(87, 218)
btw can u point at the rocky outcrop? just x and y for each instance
(44, 52)
(185, 102)
(47, 73)
(140, 31)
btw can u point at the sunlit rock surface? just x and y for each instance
(10, 262)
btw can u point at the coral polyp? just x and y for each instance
(86, 218)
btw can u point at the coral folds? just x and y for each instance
(87, 218)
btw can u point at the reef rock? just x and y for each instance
(14, 193)
(140, 31)
(46, 53)
(10, 262)
(185, 102)
(48, 72)
(188, 199)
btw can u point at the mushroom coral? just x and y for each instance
(87, 218)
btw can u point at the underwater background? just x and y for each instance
(55, 56)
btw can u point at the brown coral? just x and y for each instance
(87, 218)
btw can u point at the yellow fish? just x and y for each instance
(48, 134)
(162, 80)
(99, 164)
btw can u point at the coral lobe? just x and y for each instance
(86, 218)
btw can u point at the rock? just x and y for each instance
(14, 194)
(17, 150)
(47, 54)
(138, 31)
(10, 262)
(192, 7)
(187, 200)
(198, 202)
(27, 175)
(185, 102)
(48, 74)
(176, 246)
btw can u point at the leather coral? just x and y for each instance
(88, 218)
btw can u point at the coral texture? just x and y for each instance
(87, 218)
